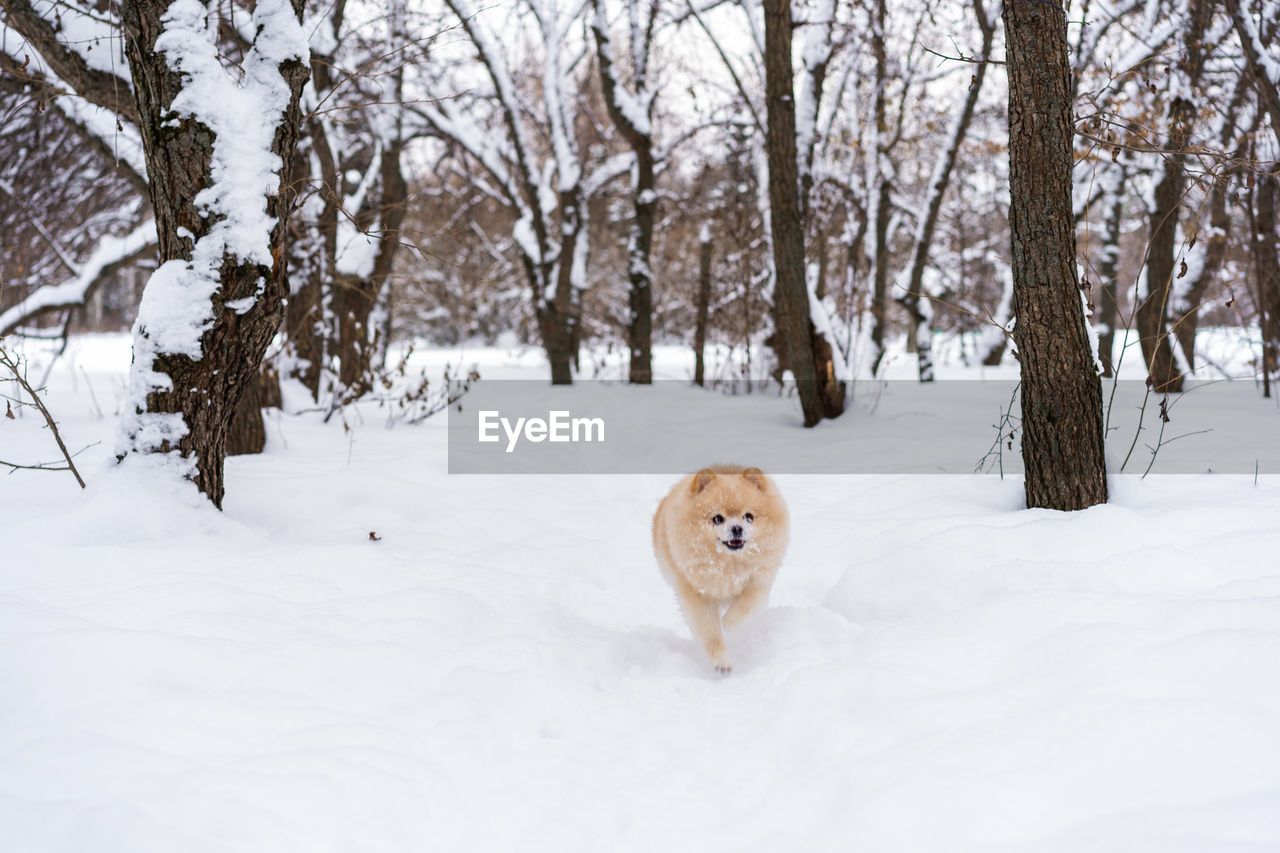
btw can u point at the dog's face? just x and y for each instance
(733, 513)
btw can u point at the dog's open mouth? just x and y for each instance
(734, 544)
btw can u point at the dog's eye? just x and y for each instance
(717, 519)
(748, 518)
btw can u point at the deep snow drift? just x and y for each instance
(504, 669)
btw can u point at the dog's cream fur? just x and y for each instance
(708, 565)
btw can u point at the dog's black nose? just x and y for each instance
(736, 531)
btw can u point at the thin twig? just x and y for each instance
(970, 59)
(7, 361)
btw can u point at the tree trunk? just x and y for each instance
(1267, 273)
(704, 303)
(558, 317)
(248, 431)
(558, 340)
(1214, 243)
(185, 393)
(353, 301)
(883, 192)
(305, 328)
(633, 121)
(1062, 425)
(1186, 315)
(1155, 305)
(880, 277)
(360, 344)
(640, 329)
(819, 398)
(1108, 271)
(305, 331)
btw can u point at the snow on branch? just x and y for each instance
(815, 56)
(111, 253)
(559, 107)
(59, 38)
(110, 128)
(508, 96)
(608, 172)
(632, 110)
(1265, 67)
(491, 151)
(748, 100)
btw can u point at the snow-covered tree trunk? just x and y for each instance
(821, 396)
(881, 192)
(372, 234)
(312, 245)
(1062, 424)
(218, 142)
(548, 198)
(366, 255)
(632, 113)
(310, 333)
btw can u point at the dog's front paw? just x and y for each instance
(723, 665)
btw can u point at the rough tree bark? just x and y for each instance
(186, 392)
(820, 396)
(247, 432)
(1062, 424)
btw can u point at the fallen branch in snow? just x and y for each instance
(11, 363)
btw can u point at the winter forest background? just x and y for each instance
(251, 252)
(547, 173)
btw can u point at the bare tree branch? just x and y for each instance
(109, 91)
(14, 368)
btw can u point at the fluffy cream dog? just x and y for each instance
(719, 536)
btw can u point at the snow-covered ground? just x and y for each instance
(504, 668)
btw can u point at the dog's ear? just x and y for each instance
(755, 477)
(702, 479)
